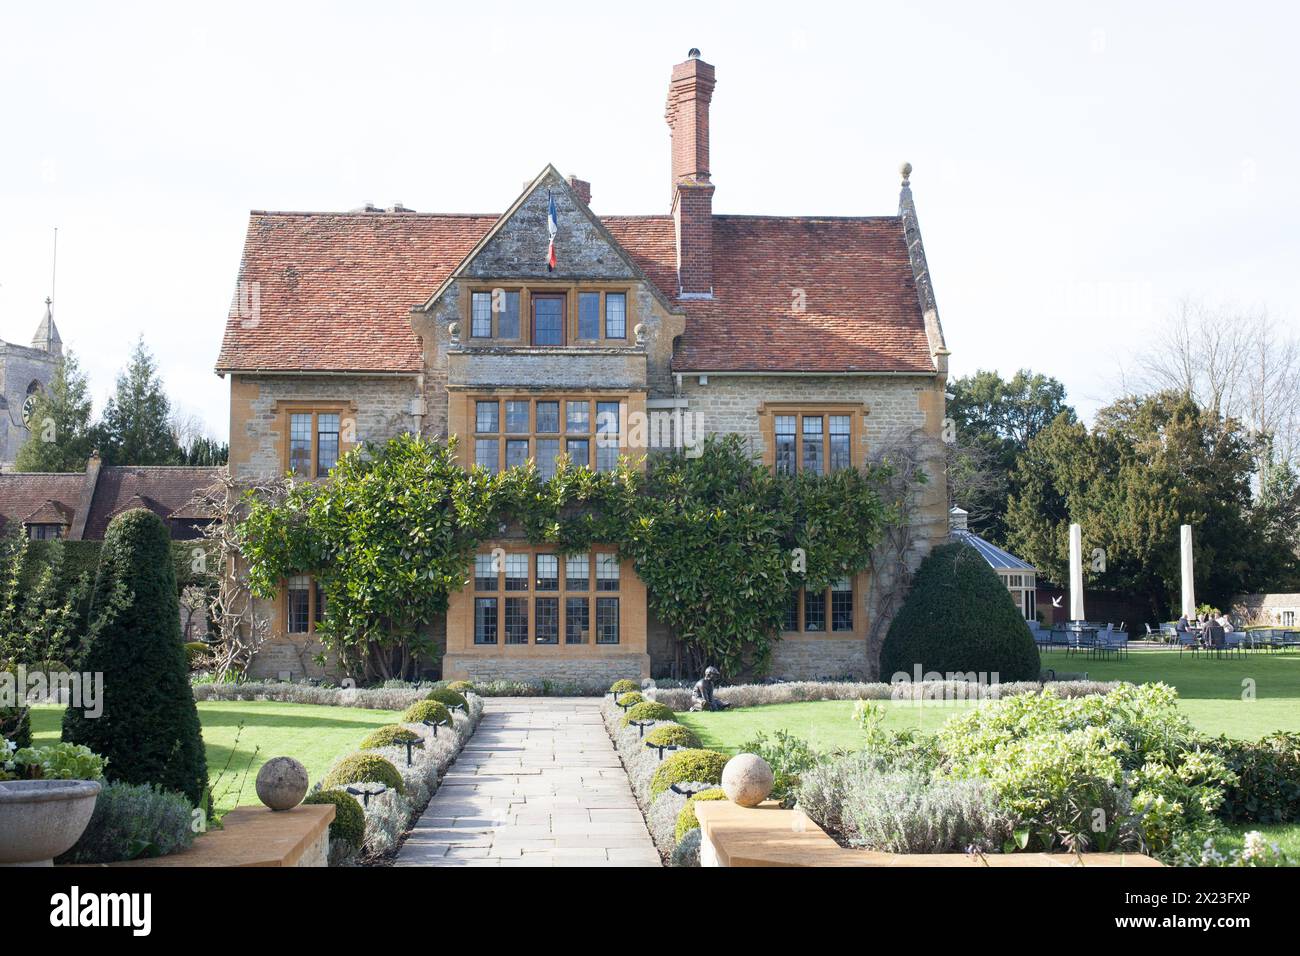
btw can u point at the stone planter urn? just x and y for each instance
(39, 819)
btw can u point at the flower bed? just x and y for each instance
(755, 695)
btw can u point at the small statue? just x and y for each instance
(702, 693)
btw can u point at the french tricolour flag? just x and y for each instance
(552, 226)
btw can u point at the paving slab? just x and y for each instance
(539, 784)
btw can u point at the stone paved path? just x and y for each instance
(539, 784)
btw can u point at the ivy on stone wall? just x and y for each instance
(719, 541)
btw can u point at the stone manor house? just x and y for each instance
(814, 337)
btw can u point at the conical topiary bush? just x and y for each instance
(149, 729)
(959, 618)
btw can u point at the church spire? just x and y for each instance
(47, 333)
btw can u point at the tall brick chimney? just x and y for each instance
(689, 93)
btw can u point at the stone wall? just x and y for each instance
(380, 407)
(19, 367)
(819, 659)
(602, 670)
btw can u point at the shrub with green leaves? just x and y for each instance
(1268, 778)
(349, 823)
(16, 725)
(461, 687)
(447, 697)
(682, 766)
(149, 730)
(133, 822)
(363, 768)
(788, 756)
(630, 699)
(959, 619)
(423, 710)
(1120, 770)
(61, 761)
(390, 735)
(648, 710)
(687, 820)
(673, 735)
(621, 687)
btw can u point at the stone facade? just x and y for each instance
(23, 370)
(669, 269)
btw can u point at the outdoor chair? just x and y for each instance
(1188, 642)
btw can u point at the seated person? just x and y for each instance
(1213, 634)
(1182, 626)
(702, 693)
(1225, 622)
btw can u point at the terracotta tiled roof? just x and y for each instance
(861, 311)
(51, 512)
(335, 291)
(25, 495)
(161, 489)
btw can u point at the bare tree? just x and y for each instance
(913, 459)
(238, 629)
(1239, 363)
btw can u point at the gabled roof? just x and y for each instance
(163, 489)
(334, 291)
(24, 495)
(51, 512)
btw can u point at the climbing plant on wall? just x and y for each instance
(393, 530)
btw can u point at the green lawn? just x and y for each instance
(313, 734)
(1211, 691)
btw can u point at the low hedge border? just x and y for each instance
(390, 815)
(792, 692)
(641, 762)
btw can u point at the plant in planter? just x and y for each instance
(42, 815)
(686, 765)
(648, 710)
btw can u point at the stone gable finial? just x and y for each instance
(906, 170)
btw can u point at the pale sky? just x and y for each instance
(1076, 169)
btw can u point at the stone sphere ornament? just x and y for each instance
(747, 780)
(282, 783)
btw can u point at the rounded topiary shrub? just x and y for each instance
(648, 710)
(423, 710)
(349, 823)
(704, 766)
(686, 820)
(390, 735)
(673, 735)
(461, 686)
(620, 687)
(363, 768)
(630, 699)
(447, 697)
(959, 620)
(149, 728)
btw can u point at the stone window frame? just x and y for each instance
(855, 591)
(532, 435)
(857, 413)
(571, 292)
(285, 410)
(561, 593)
(315, 606)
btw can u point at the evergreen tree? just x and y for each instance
(136, 428)
(959, 618)
(149, 729)
(205, 451)
(995, 419)
(61, 437)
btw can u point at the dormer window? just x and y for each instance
(44, 532)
